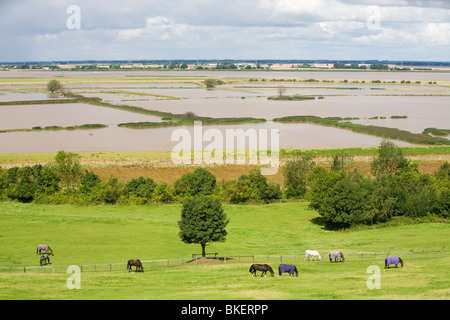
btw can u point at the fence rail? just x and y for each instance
(120, 266)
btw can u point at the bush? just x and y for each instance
(200, 183)
(142, 188)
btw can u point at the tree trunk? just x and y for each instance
(203, 250)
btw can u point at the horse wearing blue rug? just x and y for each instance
(287, 268)
(393, 260)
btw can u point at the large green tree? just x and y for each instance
(296, 173)
(390, 159)
(203, 222)
(68, 167)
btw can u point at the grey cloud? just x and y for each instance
(277, 29)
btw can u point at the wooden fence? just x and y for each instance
(290, 259)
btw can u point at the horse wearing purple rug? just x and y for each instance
(45, 248)
(393, 260)
(287, 268)
(336, 255)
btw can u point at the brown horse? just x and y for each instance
(261, 267)
(137, 263)
(44, 247)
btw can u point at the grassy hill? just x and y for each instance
(113, 234)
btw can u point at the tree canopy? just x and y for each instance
(203, 222)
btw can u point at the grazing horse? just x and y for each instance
(393, 260)
(312, 253)
(44, 247)
(336, 256)
(137, 263)
(287, 268)
(44, 258)
(261, 267)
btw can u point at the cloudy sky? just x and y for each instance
(44, 30)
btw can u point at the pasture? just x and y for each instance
(115, 234)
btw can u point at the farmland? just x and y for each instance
(113, 234)
(157, 102)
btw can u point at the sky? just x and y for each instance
(68, 30)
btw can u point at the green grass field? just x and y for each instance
(114, 234)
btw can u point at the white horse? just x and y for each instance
(312, 253)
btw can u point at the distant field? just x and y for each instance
(112, 234)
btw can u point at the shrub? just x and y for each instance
(200, 183)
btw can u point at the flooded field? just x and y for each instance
(64, 115)
(422, 105)
(122, 139)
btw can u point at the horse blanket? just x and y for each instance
(392, 260)
(287, 268)
(335, 255)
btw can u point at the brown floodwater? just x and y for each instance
(123, 139)
(424, 106)
(64, 115)
(349, 75)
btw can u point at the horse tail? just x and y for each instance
(252, 267)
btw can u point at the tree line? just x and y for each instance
(66, 181)
(342, 195)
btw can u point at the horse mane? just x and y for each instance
(270, 269)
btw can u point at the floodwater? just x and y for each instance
(64, 115)
(425, 106)
(301, 135)
(350, 75)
